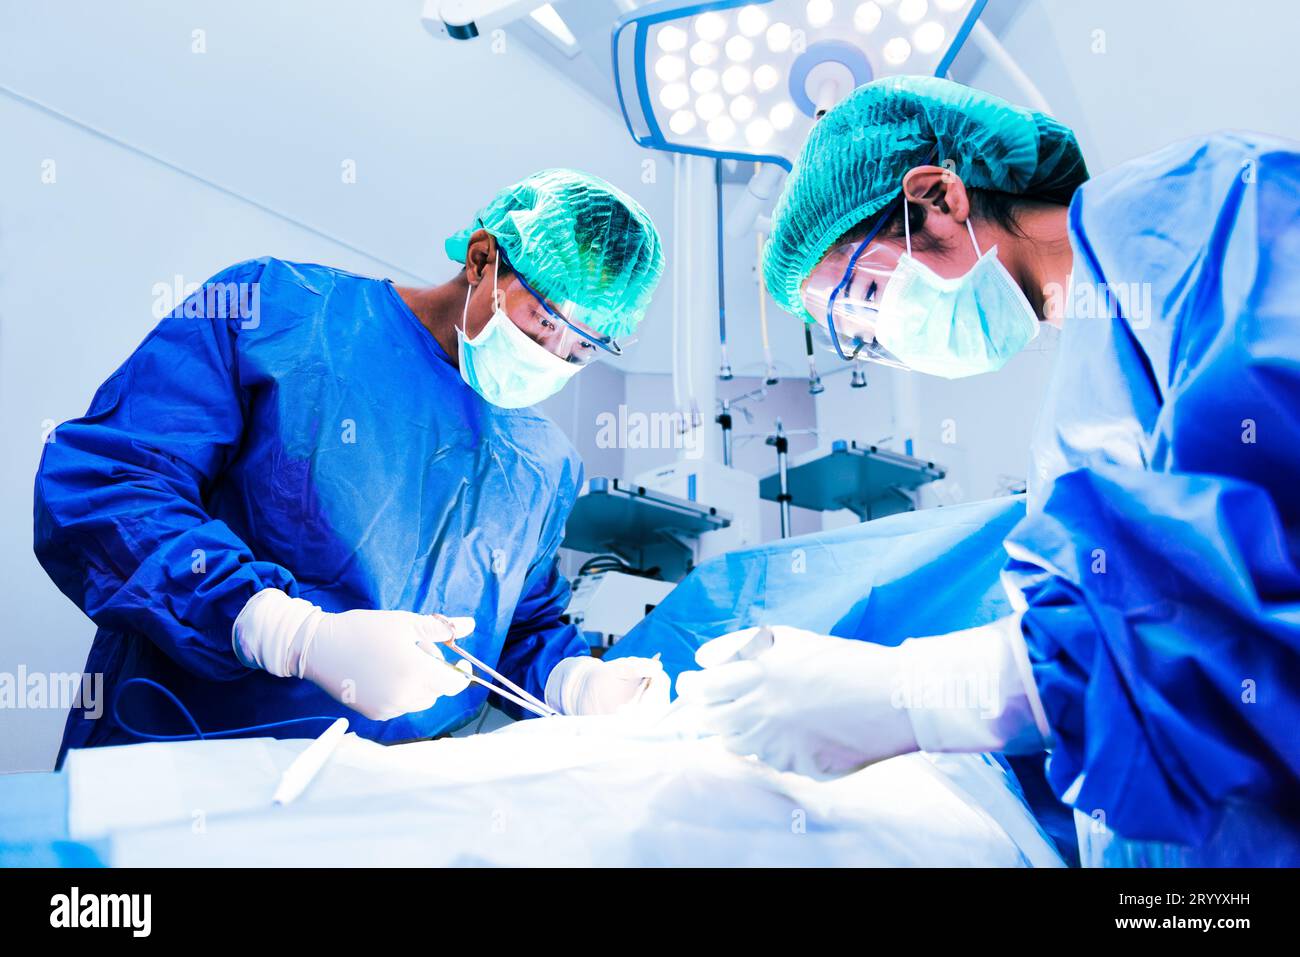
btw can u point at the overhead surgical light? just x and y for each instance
(746, 79)
(820, 12)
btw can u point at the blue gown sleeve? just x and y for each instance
(1160, 560)
(538, 638)
(120, 524)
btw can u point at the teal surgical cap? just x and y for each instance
(853, 162)
(576, 239)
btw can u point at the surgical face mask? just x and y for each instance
(954, 327)
(505, 366)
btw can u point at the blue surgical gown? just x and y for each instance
(299, 429)
(1160, 557)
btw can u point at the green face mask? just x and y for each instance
(504, 365)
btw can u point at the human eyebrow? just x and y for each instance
(854, 289)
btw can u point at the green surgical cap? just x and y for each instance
(576, 238)
(853, 162)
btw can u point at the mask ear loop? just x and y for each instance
(907, 225)
(464, 312)
(971, 229)
(496, 303)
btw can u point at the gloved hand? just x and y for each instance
(382, 664)
(825, 706)
(801, 702)
(583, 685)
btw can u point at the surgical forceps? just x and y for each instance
(516, 694)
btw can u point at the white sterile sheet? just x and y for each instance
(601, 791)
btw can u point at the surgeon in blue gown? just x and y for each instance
(304, 480)
(1154, 651)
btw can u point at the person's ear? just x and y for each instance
(939, 190)
(481, 254)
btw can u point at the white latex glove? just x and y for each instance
(382, 664)
(583, 685)
(974, 690)
(804, 702)
(825, 706)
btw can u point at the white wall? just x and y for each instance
(1131, 77)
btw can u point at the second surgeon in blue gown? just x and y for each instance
(300, 433)
(1156, 576)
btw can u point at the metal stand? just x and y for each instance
(870, 482)
(782, 445)
(644, 527)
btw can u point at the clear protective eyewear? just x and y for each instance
(844, 291)
(550, 327)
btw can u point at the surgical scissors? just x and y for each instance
(519, 696)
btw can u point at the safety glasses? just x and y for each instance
(844, 292)
(548, 325)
